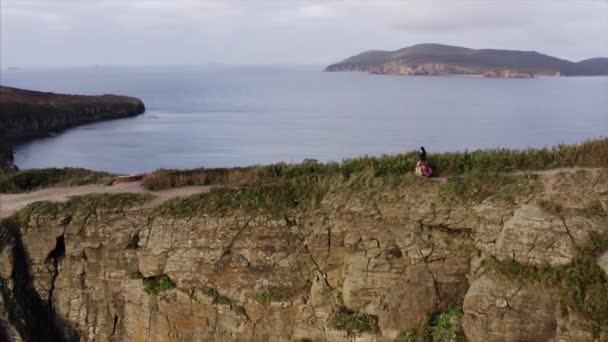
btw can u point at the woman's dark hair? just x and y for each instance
(422, 148)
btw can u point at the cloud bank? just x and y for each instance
(143, 32)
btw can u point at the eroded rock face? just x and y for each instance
(499, 310)
(397, 254)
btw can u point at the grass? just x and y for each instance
(476, 186)
(274, 199)
(274, 294)
(583, 285)
(592, 153)
(85, 203)
(354, 322)
(166, 179)
(33, 179)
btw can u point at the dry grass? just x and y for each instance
(165, 179)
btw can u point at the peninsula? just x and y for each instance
(438, 59)
(26, 114)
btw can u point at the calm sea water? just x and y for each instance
(228, 116)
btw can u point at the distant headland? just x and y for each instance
(28, 114)
(438, 59)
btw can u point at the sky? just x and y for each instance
(169, 32)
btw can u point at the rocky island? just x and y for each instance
(438, 59)
(361, 250)
(27, 114)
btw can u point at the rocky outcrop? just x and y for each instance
(374, 261)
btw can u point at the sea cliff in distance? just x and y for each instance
(438, 59)
(27, 114)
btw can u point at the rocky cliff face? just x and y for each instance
(374, 260)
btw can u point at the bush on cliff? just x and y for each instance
(354, 322)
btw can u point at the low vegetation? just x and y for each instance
(155, 285)
(86, 203)
(354, 322)
(477, 186)
(33, 179)
(274, 294)
(274, 199)
(582, 283)
(217, 298)
(443, 326)
(593, 153)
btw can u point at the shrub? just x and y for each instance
(443, 326)
(446, 326)
(157, 284)
(354, 322)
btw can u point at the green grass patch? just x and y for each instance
(354, 322)
(274, 199)
(514, 270)
(157, 284)
(86, 203)
(476, 186)
(33, 179)
(274, 294)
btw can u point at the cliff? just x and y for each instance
(323, 257)
(26, 114)
(437, 59)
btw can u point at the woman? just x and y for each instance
(422, 169)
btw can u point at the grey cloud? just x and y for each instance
(75, 32)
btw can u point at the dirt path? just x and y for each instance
(11, 203)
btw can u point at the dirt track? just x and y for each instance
(11, 203)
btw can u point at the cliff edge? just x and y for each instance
(317, 257)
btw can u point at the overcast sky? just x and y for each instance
(128, 32)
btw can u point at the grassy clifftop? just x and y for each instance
(592, 153)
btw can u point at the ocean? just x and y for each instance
(221, 116)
